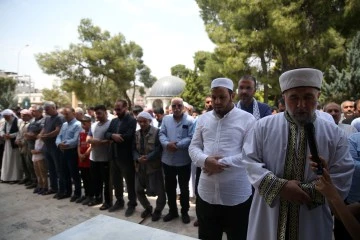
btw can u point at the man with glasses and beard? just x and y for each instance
(175, 136)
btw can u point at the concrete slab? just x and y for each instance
(105, 227)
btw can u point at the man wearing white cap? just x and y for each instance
(11, 170)
(147, 156)
(30, 178)
(286, 204)
(224, 189)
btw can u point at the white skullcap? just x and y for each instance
(303, 77)
(222, 82)
(146, 115)
(25, 112)
(7, 112)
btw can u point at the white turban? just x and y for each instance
(8, 112)
(145, 115)
(303, 77)
(222, 82)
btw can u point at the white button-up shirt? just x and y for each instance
(224, 137)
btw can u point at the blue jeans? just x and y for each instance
(55, 167)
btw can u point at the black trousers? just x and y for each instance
(216, 219)
(86, 179)
(100, 176)
(183, 176)
(120, 170)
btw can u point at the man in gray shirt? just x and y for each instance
(99, 160)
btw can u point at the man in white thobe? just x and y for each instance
(224, 190)
(285, 203)
(11, 170)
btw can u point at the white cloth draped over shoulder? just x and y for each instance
(223, 137)
(265, 152)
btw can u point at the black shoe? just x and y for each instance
(129, 211)
(147, 212)
(80, 199)
(63, 196)
(105, 206)
(87, 200)
(185, 218)
(56, 195)
(196, 223)
(95, 201)
(117, 206)
(74, 198)
(42, 191)
(28, 183)
(23, 181)
(37, 190)
(50, 191)
(156, 216)
(32, 185)
(170, 216)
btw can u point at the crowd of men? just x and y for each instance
(253, 174)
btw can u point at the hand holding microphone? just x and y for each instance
(310, 133)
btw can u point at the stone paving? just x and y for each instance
(24, 215)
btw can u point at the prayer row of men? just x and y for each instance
(254, 174)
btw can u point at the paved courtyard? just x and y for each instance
(24, 215)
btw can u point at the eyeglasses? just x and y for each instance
(176, 105)
(208, 101)
(117, 109)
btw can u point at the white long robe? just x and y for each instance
(265, 152)
(11, 169)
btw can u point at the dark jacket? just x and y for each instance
(13, 129)
(126, 127)
(152, 148)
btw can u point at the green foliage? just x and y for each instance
(194, 92)
(60, 98)
(291, 34)
(96, 64)
(7, 93)
(346, 82)
(180, 71)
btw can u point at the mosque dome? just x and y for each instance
(167, 87)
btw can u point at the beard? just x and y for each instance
(300, 117)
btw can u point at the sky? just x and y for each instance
(169, 31)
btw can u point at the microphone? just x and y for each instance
(310, 133)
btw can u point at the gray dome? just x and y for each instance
(167, 87)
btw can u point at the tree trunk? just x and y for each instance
(133, 93)
(127, 99)
(265, 70)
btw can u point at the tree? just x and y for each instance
(96, 61)
(60, 98)
(198, 80)
(290, 33)
(346, 82)
(180, 71)
(7, 93)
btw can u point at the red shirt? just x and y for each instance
(83, 147)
